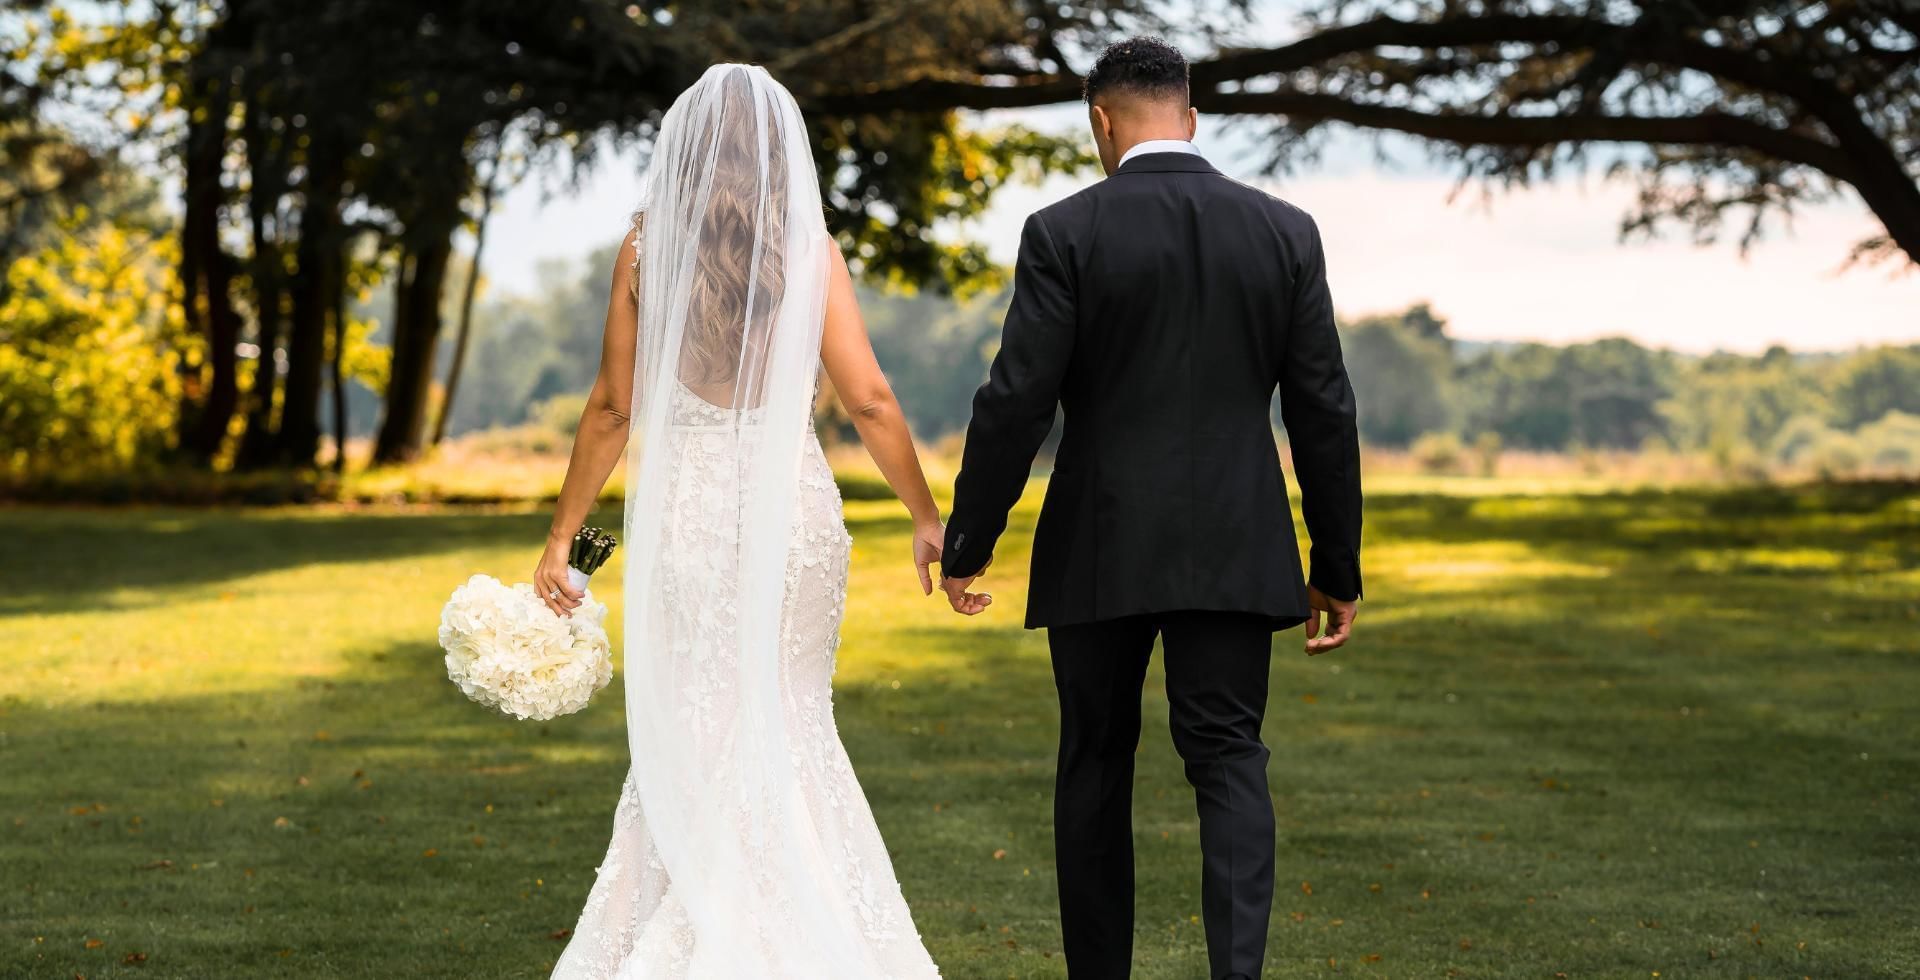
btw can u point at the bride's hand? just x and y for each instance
(927, 541)
(550, 580)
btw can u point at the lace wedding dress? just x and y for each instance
(633, 925)
(743, 847)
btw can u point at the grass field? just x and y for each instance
(1592, 735)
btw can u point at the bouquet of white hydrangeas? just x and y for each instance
(506, 649)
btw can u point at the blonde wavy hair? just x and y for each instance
(742, 242)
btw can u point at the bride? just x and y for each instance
(742, 845)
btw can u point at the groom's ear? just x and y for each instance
(1102, 125)
(1193, 123)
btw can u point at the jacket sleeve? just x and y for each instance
(1317, 408)
(1014, 410)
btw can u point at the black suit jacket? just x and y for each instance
(1161, 308)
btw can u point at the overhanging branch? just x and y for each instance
(928, 94)
(971, 92)
(1824, 128)
(1708, 128)
(1336, 42)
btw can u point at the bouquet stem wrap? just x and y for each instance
(591, 548)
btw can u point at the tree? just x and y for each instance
(1734, 400)
(1402, 369)
(1874, 383)
(40, 171)
(269, 172)
(86, 332)
(465, 331)
(935, 349)
(1604, 394)
(207, 270)
(1715, 107)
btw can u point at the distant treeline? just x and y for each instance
(1412, 379)
(1831, 412)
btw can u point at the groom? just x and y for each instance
(1161, 308)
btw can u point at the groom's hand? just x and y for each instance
(967, 603)
(1340, 613)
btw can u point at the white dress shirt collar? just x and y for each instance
(1157, 146)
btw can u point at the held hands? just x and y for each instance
(928, 540)
(1340, 613)
(550, 579)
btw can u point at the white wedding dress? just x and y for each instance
(743, 847)
(633, 925)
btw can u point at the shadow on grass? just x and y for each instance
(382, 825)
(1851, 519)
(73, 560)
(1514, 775)
(1604, 774)
(378, 826)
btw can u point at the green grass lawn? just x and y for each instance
(1591, 735)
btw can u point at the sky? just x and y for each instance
(1544, 263)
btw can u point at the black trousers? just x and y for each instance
(1216, 667)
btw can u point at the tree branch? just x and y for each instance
(1315, 50)
(1708, 128)
(938, 94)
(967, 92)
(837, 41)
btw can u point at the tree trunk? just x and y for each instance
(466, 308)
(416, 330)
(268, 168)
(211, 392)
(315, 281)
(1881, 180)
(193, 310)
(339, 317)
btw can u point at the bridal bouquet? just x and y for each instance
(506, 649)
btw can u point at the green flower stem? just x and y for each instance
(591, 548)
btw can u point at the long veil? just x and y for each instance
(732, 271)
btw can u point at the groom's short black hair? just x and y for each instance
(1139, 66)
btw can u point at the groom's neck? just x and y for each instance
(1136, 124)
(1171, 134)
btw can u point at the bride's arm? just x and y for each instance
(600, 438)
(863, 389)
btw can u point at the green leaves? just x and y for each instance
(86, 328)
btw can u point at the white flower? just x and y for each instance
(507, 650)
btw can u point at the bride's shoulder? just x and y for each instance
(636, 225)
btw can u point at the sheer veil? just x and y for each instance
(732, 269)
